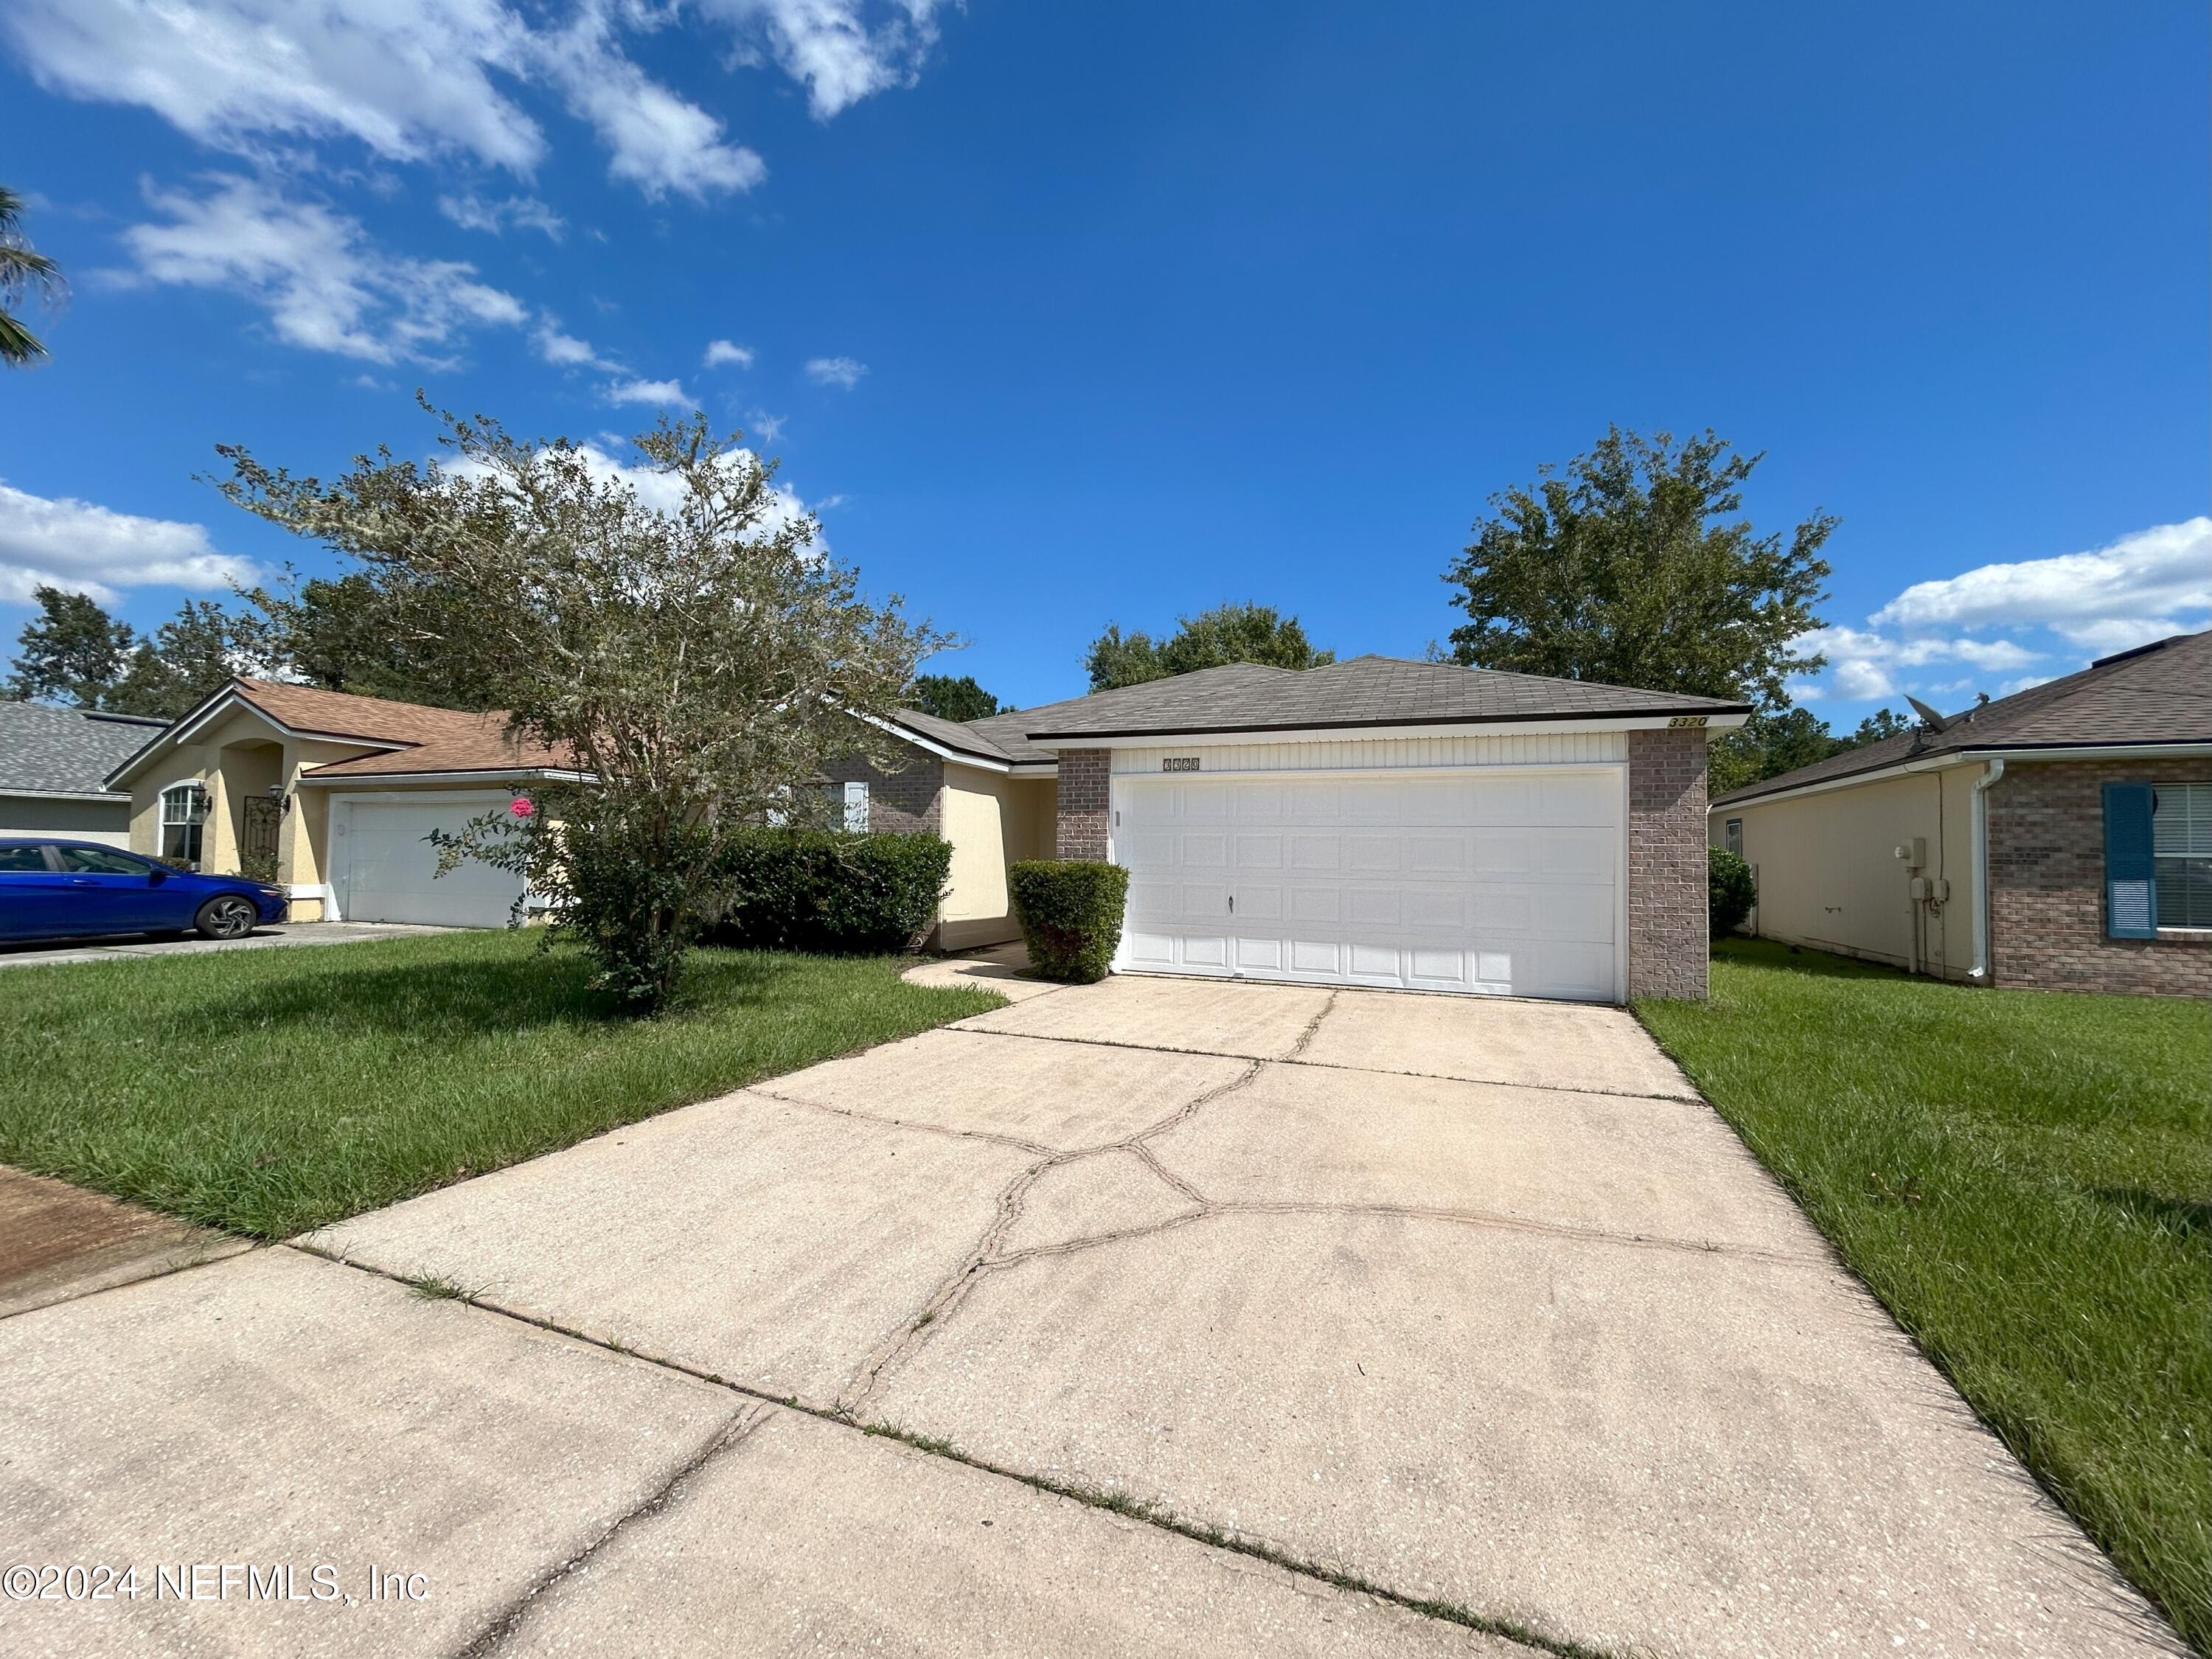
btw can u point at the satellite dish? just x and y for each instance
(1933, 722)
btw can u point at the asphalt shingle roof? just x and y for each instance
(65, 750)
(1252, 697)
(2156, 694)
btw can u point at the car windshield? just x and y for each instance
(102, 862)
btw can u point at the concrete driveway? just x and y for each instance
(1470, 1303)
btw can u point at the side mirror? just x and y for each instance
(156, 876)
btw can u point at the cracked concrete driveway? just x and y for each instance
(1473, 1303)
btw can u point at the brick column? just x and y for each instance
(1081, 832)
(1667, 942)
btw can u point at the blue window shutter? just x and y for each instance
(2131, 892)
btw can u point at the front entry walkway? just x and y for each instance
(1156, 1317)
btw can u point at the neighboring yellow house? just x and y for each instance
(336, 795)
(333, 795)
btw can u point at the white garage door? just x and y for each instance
(1503, 883)
(387, 871)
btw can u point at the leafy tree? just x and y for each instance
(1768, 744)
(1226, 633)
(23, 268)
(381, 633)
(1627, 567)
(189, 658)
(1882, 723)
(72, 653)
(701, 662)
(951, 699)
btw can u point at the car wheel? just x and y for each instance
(226, 916)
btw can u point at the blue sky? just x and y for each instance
(1064, 313)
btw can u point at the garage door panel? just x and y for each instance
(1258, 852)
(1370, 851)
(389, 868)
(1586, 854)
(1498, 885)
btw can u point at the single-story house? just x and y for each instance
(332, 794)
(54, 764)
(1376, 822)
(2060, 838)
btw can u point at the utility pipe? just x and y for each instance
(1980, 836)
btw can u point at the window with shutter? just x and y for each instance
(2181, 853)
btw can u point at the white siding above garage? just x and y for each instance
(1545, 748)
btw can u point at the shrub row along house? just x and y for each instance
(1376, 822)
(2060, 838)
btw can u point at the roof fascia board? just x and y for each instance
(1950, 757)
(931, 746)
(487, 774)
(1497, 728)
(11, 792)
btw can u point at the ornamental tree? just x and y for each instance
(669, 628)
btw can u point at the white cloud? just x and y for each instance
(325, 285)
(409, 79)
(2145, 581)
(473, 212)
(65, 543)
(721, 352)
(831, 46)
(566, 350)
(647, 391)
(414, 81)
(2066, 609)
(836, 371)
(660, 142)
(767, 427)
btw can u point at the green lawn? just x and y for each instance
(271, 1091)
(2025, 1179)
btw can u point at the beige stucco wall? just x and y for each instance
(242, 754)
(239, 755)
(992, 820)
(1829, 877)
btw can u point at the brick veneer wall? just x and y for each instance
(900, 803)
(2047, 884)
(1668, 944)
(1082, 824)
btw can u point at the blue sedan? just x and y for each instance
(77, 889)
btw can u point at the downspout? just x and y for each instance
(1980, 836)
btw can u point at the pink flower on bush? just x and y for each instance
(520, 807)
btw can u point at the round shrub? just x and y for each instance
(1071, 914)
(830, 893)
(1730, 891)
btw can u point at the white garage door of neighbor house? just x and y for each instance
(388, 870)
(1506, 883)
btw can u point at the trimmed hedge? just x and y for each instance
(1731, 890)
(830, 893)
(1071, 914)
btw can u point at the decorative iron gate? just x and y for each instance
(257, 837)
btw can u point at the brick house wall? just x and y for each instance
(900, 803)
(1084, 774)
(2046, 829)
(1667, 943)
